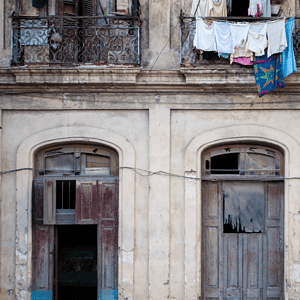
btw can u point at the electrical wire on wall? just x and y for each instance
(153, 173)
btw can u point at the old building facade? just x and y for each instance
(131, 172)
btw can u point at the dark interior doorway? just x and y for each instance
(77, 262)
(240, 8)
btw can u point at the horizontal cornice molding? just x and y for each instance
(204, 79)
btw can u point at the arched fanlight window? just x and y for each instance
(78, 160)
(244, 160)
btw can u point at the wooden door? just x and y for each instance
(42, 252)
(108, 241)
(242, 234)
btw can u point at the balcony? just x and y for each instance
(191, 57)
(73, 41)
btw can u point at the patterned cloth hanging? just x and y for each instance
(268, 73)
(39, 3)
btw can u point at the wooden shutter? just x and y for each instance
(87, 202)
(50, 202)
(108, 241)
(273, 255)
(37, 202)
(42, 258)
(211, 244)
(89, 8)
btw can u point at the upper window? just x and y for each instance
(74, 160)
(247, 160)
(85, 7)
(238, 8)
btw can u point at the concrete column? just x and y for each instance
(6, 9)
(159, 206)
(159, 23)
(8, 217)
(190, 235)
(292, 239)
(2, 24)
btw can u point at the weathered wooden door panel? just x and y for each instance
(87, 202)
(211, 248)
(252, 272)
(42, 258)
(274, 241)
(231, 267)
(108, 241)
(247, 263)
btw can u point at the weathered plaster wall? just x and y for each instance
(199, 129)
(103, 125)
(167, 239)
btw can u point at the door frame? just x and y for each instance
(247, 133)
(25, 161)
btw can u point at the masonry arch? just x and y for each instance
(227, 135)
(25, 161)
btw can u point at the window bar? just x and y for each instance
(69, 194)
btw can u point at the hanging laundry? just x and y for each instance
(246, 61)
(266, 8)
(257, 38)
(276, 36)
(255, 8)
(216, 8)
(268, 73)
(224, 55)
(39, 3)
(239, 32)
(202, 8)
(241, 52)
(288, 56)
(223, 37)
(205, 38)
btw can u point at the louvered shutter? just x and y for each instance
(89, 8)
(50, 202)
(38, 202)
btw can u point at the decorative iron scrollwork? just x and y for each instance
(75, 40)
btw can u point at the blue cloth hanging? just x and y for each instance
(268, 73)
(288, 56)
(39, 3)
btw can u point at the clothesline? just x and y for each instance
(254, 19)
(245, 43)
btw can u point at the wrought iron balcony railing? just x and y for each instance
(190, 56)
(75, 40)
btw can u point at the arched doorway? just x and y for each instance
(242, 223)
(75, 222)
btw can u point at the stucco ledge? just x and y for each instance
(227, 76)
(76, 75)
